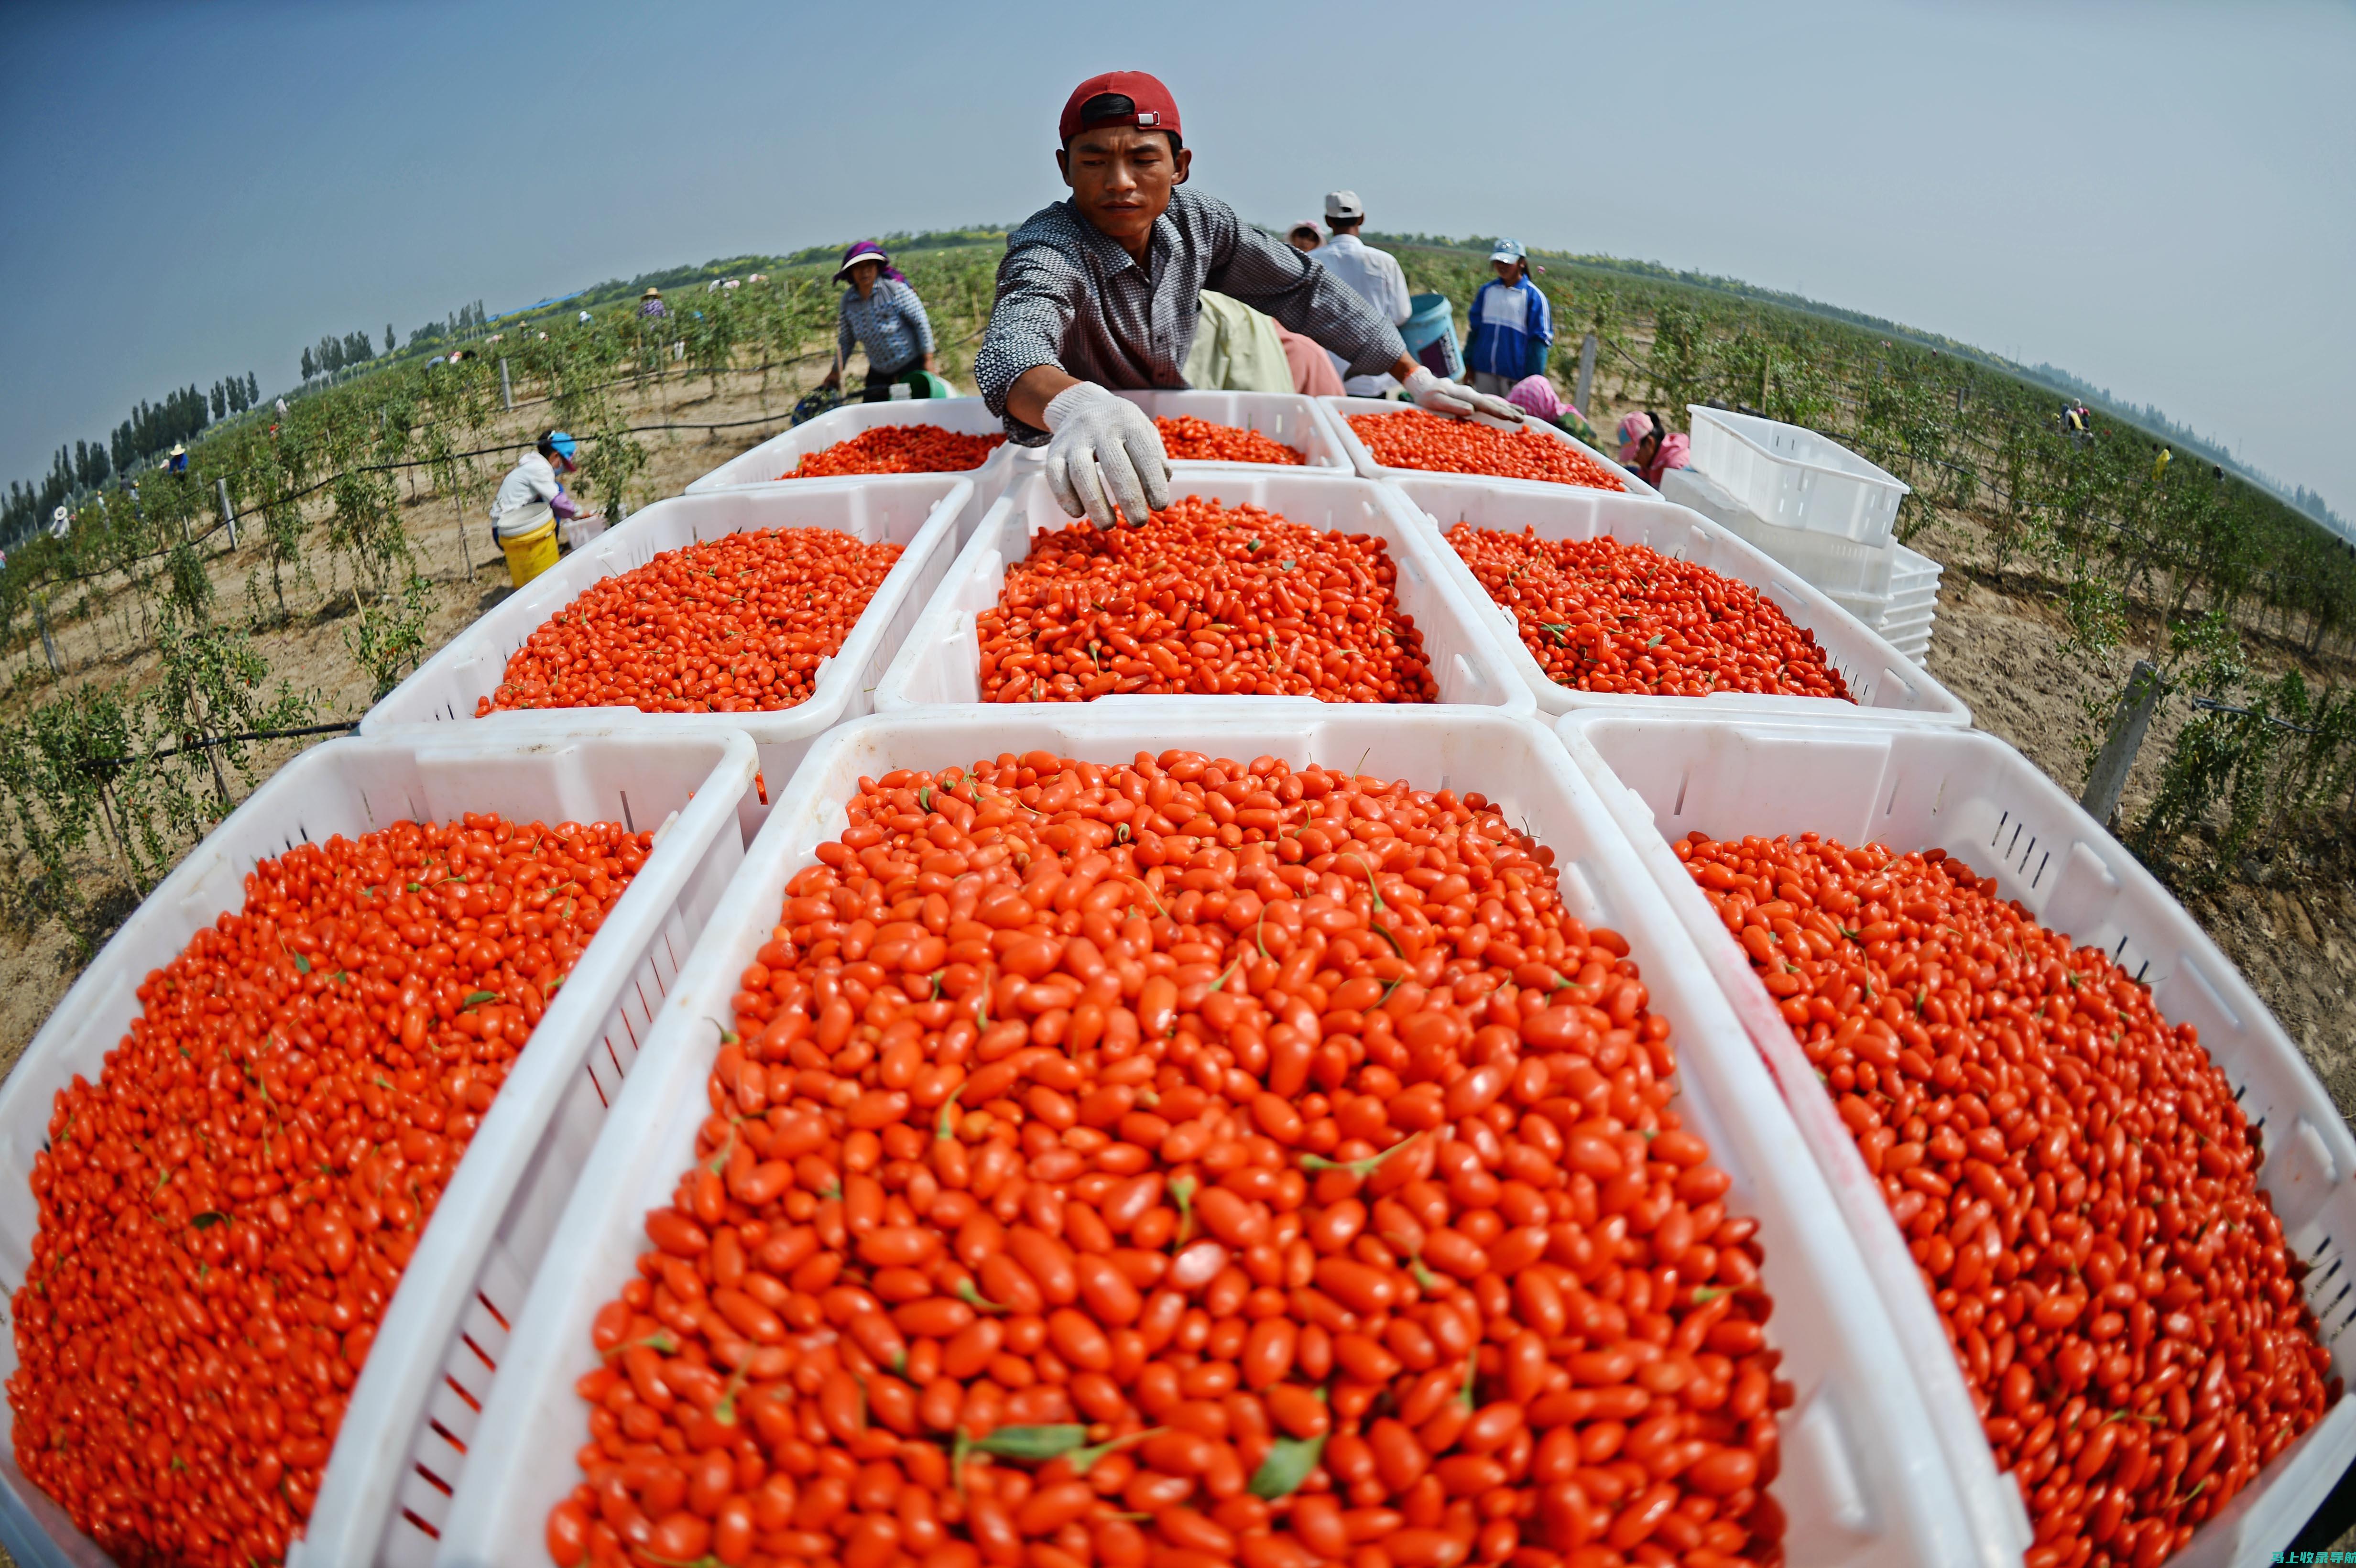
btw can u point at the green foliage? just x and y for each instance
(391, 640)
(2246, 779)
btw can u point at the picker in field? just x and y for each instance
(1511, 327)
(1103, 290)
(1649, 448)
(882, 315)
(1374, 274)
(531, 495)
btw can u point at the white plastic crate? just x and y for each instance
(1843, 568)
(1796, 477)
(764, 463)
(1339, 410)
(439, 1343)
(1861, 1483)
(1885, 685)
(1898, 623)
(941, 660)
(916, 511)
(1891, 620)
(1968, 793)
(1912, 571)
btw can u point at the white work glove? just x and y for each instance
(1105, 453)
(1454, 399)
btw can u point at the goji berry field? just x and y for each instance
(1172, 1162)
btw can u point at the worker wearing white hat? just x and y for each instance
(1374, 276)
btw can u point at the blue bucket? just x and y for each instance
(1430, 334)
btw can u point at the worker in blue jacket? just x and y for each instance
(1511, 327)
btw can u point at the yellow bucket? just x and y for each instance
(531, 554)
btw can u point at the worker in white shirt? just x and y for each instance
(1374, 274)
(531, 494)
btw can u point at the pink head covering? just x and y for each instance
(1633, 429)
(1536, 394)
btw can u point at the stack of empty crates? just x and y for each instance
(1819, 509)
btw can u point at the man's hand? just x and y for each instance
(1105, 453)
(1455, 400)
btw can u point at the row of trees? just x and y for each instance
(466, 321)
(157, 427)
(151, 430)
(235, 396)
(334, 354)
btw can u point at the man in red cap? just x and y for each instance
(1103, 290)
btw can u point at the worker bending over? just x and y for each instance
(532, 494)
(1102, 291)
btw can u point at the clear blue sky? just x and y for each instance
(2158, 197)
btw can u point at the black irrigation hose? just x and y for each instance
(2211, 705)
(338, 728)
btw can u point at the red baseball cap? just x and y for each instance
(1151, 106)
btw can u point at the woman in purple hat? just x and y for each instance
(882, 315)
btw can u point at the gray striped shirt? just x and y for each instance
(1069, 296)
(892, 326)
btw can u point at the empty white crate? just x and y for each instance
(769, 462)
(1884, 683)
(1878, 583)
(941, 659)
(917, 511)
(1968, 793)
(1795, 477)
(1861, 1482)
(1844, 567)
(443, 1333)
(1339, 410)
(1840, 566)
